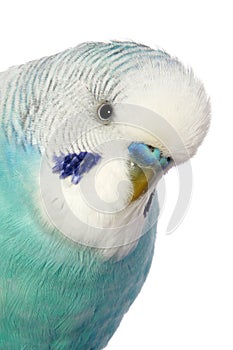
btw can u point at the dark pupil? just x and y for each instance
(105, 111)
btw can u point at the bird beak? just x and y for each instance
(147, 165)
(141, 178)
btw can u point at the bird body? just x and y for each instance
(67, 284)
(56, 294)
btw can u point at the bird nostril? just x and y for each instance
(151, 148)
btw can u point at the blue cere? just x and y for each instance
(75, 165)
(147, 156)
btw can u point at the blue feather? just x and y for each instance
(75, 165)
(57, 294)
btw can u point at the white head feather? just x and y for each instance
(73, 84)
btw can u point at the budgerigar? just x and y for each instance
(85, 136)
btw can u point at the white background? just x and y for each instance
(186, 303)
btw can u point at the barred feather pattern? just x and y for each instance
(93, 70)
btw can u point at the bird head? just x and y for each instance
(116, 117)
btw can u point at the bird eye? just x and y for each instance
(105, 112)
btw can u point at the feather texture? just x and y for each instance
(56, 293)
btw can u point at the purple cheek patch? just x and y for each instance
(74, 165)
